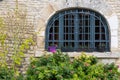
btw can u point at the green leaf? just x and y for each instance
(21, 54)
(27, 46)
(41, 76)
(22, 47)
(18, 61)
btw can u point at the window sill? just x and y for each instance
(103, 57)
(99, 55)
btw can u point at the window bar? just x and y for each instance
(47, 38)
(66, 30)
(94, 30)
(88, 31)
(76, 30)
(84, 30)
(106, 38)
(92, 33)
(61, 29)
(69, 29)
(64, 27)
(53, 34)
(100, 32)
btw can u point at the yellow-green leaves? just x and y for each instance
(3, 46)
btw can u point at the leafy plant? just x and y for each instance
(5, 73)
(13, 29)
(59, 66)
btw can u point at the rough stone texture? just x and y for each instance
(39, 12)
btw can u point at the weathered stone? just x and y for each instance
(46, 12)
(40, 42)
(41, 23)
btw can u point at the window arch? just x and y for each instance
(78, 30)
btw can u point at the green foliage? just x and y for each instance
(17, 57)
(12, 29)
(111, 71)
(59, 66)
(8, 74)
(19, 48)
(5, 73)
(3, 46)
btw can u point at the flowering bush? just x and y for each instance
(59, 66)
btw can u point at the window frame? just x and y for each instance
(94, 19)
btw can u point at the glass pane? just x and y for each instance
(80, 37)
(72, 36)
(56, 29)
(97, 45)
(97, 29)
(80, 22)
(102, 29)
(56, 36)
(51, 30)
(86, 23)
(51, 36)
(86, 45)
(80, 45)
(97, 22)
(65, 29)
(86, 36)
(80, 29)
(103, 36)
(50, 43)
(97, 36)
(56, 23)
(87, 29)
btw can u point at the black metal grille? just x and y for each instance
(78, 30)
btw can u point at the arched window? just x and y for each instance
(78, 30)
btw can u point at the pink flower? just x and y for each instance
(119, 66)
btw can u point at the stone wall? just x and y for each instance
(39, 12)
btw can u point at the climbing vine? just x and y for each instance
(16, 38)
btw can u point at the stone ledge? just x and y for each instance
(103, 57)
(99, 55)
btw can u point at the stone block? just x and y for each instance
(39, 53)
(40, 42)
(46, 12)
(118, 61)
(40, 25)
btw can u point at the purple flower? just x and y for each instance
(52, 49)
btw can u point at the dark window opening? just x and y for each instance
(97, 22)
(56, 29)
(78, 30)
